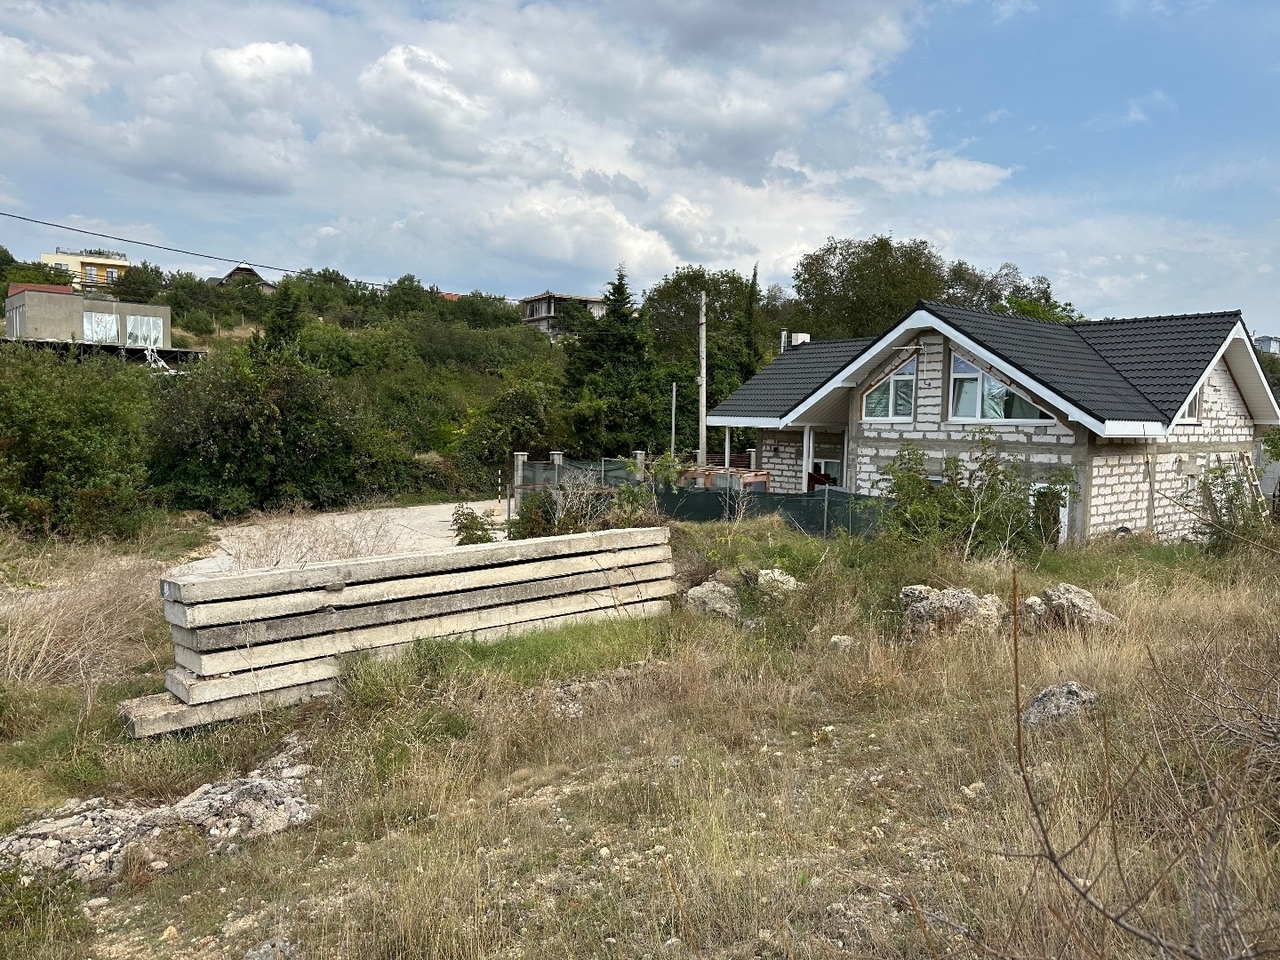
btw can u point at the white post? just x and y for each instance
(639, 458)
(557, 458)
(702, 380)
(806, 449)
(726, 447)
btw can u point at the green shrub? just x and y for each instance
(254, 428)
(198, 322)
(536, 518)
(469, 527)
(74, 437)
(984, 506)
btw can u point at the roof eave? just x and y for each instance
(767, 423)
(1133, 429)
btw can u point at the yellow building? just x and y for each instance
(89, 269)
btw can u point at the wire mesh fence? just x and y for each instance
(821, 513)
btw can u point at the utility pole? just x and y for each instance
(702, 380)
(673, 419)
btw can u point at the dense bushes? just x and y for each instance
(254, 428)
(87, 447)
(73, 442)
(982, 505)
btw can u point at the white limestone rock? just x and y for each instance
(929, 612)
(714, 597)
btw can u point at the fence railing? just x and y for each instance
(821, 513)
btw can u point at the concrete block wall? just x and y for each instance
(781, 452)
(1147, 485)
(1045, 446)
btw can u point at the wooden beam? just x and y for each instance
(308, 601)
(202, 588)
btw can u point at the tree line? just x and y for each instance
(349, 390)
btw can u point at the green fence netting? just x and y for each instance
(820, 513)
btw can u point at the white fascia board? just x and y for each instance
(767, 423)
(1134, 429)
(1239, 332)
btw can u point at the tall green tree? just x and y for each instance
(609, 378)
(858, 288)
(140, 283)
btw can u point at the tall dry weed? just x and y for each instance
(77, 613)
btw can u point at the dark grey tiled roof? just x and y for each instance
(1056, 356)
(1162, 357)
(1133, 369)
(791, 378)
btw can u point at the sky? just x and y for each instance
(1129, 150)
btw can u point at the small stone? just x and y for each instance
(777, 582)
(1057, 703)
(605, 853)
(97, 903)
(158, 865)
(974, 790)
(841, 642)
(928, 612)
(170, 934)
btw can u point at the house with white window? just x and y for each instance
(1136, 410)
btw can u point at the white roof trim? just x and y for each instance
(1238, 332)
(765, 422)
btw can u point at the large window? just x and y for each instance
(894, 397)
(976, 395)
(145, 331)
(101, 327)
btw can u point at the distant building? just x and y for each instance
(89, 269)
(541, 311)
(242, 271)
(35, 311)
(1267, 344)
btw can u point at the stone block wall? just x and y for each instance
(1148, 485)
(781, 452)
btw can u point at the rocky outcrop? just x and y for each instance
(1060, 702)
(92, 840)
(929, 612)
(714, 597)
(1065, 605)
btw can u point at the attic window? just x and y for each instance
(894, 397)
(1192, 411)
(979, 396)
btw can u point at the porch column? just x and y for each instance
(806, 453)
(726, 446)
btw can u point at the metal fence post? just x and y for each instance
(639, 457)
(826, 499)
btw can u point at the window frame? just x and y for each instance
(1196, 400)
(893, 379)
(981, 376)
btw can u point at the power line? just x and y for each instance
(144, 243)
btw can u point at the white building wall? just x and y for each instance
(781, 452)
(1153, 485)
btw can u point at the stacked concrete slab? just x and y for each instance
(251, 640)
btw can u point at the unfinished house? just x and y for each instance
(1136, 410)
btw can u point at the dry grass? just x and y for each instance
(295, 539)
(75, 614)
(761, 793)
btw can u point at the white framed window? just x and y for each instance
(91, 274)
(894, 397)
(976, 395)
(112, 274)
(101, 327)
(1191, 412)
(144, 331)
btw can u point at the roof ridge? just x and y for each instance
(1163, 316)
(1072, 327)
